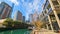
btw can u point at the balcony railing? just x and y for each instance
(53, 0)
(46, 5)
(58, 0)
(50, 10)
(57, 7)
(53, 19)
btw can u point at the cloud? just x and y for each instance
(31, 6)
(22, 0)
(15, 2)
(0, 2)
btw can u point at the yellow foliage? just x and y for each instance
(38, 24)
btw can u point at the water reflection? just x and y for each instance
(17, 31)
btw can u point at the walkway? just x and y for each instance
(43, 31)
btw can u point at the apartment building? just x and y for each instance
(30, 17)
(18, 16)
(5, 10)
(51, 14)
(23, 19)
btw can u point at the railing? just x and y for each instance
(57, 7)
(53, 0)
(53, 19)
(49, 11)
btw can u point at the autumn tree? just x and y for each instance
(38, 24)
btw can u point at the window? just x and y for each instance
(59, 16)
(55, 2)
(45, 11)
(49, 27)
(1, 8)
(48, 7)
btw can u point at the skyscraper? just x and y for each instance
(23, 18)
(18, 16)
(30, 17)
(5, 10)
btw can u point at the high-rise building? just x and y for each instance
(35, 16)
(30, 17)
(51, 14)
(18, 16)
(23, 18)
(5, 10)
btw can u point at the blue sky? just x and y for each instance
(25, 6)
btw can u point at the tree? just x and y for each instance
(38, 24)
(8, 22)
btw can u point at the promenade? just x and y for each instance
(43, 31)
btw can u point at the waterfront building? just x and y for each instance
(23, 18)
(18, 16)
(51, 14)
(31, 17)
(5, 10)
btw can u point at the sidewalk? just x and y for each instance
(43, 31)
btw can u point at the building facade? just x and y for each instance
(30, 17)
(35, 16)
(51, 15)
(18, 16)
(23, 18)
(5, 10)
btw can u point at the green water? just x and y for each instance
(17, 31)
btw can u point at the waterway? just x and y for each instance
(17, 31)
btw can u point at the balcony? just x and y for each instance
(58, 1)
(57, 7)
(49, 11)
(46, 4)
(53, 0)
(53, 19)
